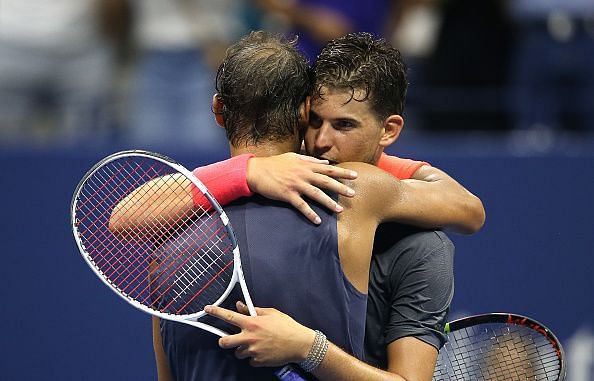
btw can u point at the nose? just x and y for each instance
(323, 141)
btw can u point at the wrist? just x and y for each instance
(241, 163)
(309, 337)
(316, 352)
(251, 170)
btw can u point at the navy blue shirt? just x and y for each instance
(289, 264)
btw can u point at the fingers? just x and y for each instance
(329, 170)
(330, 184)
(242, 352)
(314, 193)
(242, 308)
(312, 159)
(232, 341)
(226, 315)
(336, 172)
(302, 206)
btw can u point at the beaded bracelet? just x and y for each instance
(316, 353)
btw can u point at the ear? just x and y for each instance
(304, 110)
(303, 117)
(217, 109)
(392, 127)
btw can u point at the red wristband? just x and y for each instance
(398, 167)
(226, 180)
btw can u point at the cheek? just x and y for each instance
(359, 148)
(355, 150)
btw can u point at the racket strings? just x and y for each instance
(173, 262)
(186, 277)
(497, 352)
(101, 235)
(144, 301)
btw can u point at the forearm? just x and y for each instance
(340, 366)
(164, 200)
(272, 338)
(163, 371)
(440, 204)
(433, 198)
(157, 203)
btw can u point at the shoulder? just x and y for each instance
(364, 170)
(416, 279)
(372, 186)
(397, 239)
(401, 253)
(427, 243)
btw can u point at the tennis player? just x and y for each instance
(354, 116)
(321, 277)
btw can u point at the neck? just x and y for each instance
(377, 156)
(263, 149)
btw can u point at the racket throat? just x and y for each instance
(242, 284)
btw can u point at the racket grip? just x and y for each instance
(288, 373)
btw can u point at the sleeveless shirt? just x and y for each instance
(289, 264)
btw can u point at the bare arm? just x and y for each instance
(137, 214)
(380, 197)
(289, 177)
(436, 199)
(163, 371)
(292, 178)
(273, 339)
(412, 358)
(339, 365)
(444, 201)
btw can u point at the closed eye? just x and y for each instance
(344, 124)
(314, 120)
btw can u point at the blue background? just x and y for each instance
(533, 257)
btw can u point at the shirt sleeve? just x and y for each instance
(422, 291)
(226, 180)
(398, 167)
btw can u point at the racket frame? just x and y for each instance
(511, 318)
(238, 276)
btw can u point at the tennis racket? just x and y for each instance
(152, 232)
(499, 346)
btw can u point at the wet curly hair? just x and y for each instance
(359, 61)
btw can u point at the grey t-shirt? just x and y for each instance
(411, 286)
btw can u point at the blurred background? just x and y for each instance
(501, 96)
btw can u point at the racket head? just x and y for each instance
(167, 269)
(499, 346)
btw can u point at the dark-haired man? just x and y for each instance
(356, 112)
(263, 90)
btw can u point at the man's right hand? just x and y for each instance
(290, 176)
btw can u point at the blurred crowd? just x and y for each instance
(140, 73)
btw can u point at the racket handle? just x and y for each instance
(288, 373)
